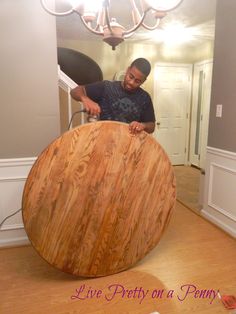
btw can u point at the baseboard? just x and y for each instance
(14, 242)
(219, 223)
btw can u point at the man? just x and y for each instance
(122, 101)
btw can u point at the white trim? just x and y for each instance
(188, 109)
(210, 200)
(188, 66)
(200, 106)
(219, 223)
(13, 174)
(14, 242)
(67, 84)
(220, 169)
(12, 227)
(204, 62)
(16, 162)
(221, 152)
(170, 64)
(13, 179)
(64, 81)
(69, 103)
(222, 211)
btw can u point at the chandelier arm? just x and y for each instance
(55, 13)
(167, 10)
(90, 28)
(107, 18)
(100, 18)
(135, 12)
(128, 35)
(97, 27)
(151, 28)
(131, 30)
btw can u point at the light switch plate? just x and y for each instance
(219, 110)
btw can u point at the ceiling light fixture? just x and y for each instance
(176, 34)
(95, 15)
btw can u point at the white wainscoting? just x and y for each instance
(220, 189)
(13, 174)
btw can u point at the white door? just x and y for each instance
(172, 94)
(200, 112)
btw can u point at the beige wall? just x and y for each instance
(29, 109)
(222, 131)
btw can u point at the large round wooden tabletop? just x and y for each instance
(98, 199)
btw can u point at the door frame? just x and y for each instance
(188, 107)
(205, 97)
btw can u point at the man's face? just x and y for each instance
(133, 79)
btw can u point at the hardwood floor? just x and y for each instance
(188, 184)
(192, 255)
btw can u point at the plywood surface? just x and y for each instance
(98, 199)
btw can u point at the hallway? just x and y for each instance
(188, 183)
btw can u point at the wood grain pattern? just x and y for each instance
(98, 199)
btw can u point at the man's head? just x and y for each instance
(136, 74)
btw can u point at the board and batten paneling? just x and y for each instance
(13, 174)
(220, 189)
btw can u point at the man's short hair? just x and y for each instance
(142, 65)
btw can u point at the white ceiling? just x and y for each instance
(198, 16)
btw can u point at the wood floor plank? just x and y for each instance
(188, 186)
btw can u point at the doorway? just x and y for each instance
(188, 186)
(182, 104)
(172, 96)
(201, 95)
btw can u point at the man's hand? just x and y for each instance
(136, 127)
(91, 106)
(79, 93)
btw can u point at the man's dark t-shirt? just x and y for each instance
(120, 105)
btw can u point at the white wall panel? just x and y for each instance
(220, 189)
(13, 174)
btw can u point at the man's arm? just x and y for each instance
(149, 127)
(147, 119)
(79, 93)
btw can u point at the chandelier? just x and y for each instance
(95, 16)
